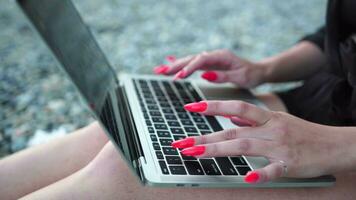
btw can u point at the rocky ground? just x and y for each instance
(37, 102)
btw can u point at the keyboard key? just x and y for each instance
(192, 135)
(156, 146)
(165, 142)
(165, 105)
(170, 117)
(162, 99)
(178, 137)
(190, 129)
(155, 113)
(150, 101)
(187, 122)
(161, 127)
(198, 119)
(163, 134)
(153, 107)
(203, 126)
(195, 114)
(173, 160)
(205, 132)
(159, 155)
(238, 160)
(243, 170)
(177, 131)
(153, 138)
(158, 119)
(148, 122)
(146, 116)
(188, 157)
(163, 166)
(193, 168)
(177, 104)
(210, 167)
(177, 170)
(183, 116)
(214, 123)
(225, 165)
(180, 110)
(174, 123)
(169, 151)
(151, 129)
(167, 111)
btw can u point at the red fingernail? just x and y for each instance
(210, 75)
(179, 75)
(193, 151)
(171, 58)
(252, 177)
(196, 107)
(184, 143)
(160, 69)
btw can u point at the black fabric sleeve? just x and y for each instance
(317, 38)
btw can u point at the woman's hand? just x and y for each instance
(220, 65)
(294, 147)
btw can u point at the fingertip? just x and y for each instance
(252, 177)
(210, 76)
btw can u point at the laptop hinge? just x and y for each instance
(130, 131)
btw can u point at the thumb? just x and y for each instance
(270, 172)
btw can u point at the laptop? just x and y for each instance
(143, 114)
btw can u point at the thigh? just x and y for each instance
(37, 167)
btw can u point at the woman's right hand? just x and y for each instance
(220, 66)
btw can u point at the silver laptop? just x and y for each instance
(143, 114)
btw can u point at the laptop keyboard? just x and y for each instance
(162, 105)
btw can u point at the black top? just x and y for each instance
(337, 40)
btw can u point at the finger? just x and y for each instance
(242, 122)
(231, 134)
(206, 60)
(270, 172)
(228, 134)
(232, 76)
(241, 146)
(178, 65)
(240, 109)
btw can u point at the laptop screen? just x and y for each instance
(61, 27)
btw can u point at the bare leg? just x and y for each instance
(37, 167)
(108, 177)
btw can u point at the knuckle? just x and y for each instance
(203, 139)
(243, 145)
(214, 149)
(230, 134)
(241, 107)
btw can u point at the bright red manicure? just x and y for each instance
(194, 151)
(184, 143)
(171, 58)
(161, 69)
(181, 74)
(252, 177)
(210, 76)
(196, 107)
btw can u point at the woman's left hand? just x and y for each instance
(294, 147)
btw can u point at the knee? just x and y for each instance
(96, 133)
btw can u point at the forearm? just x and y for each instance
(297, 63)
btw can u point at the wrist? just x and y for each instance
(344, 155)
(268, 67)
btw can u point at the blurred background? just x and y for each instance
(38, 103)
